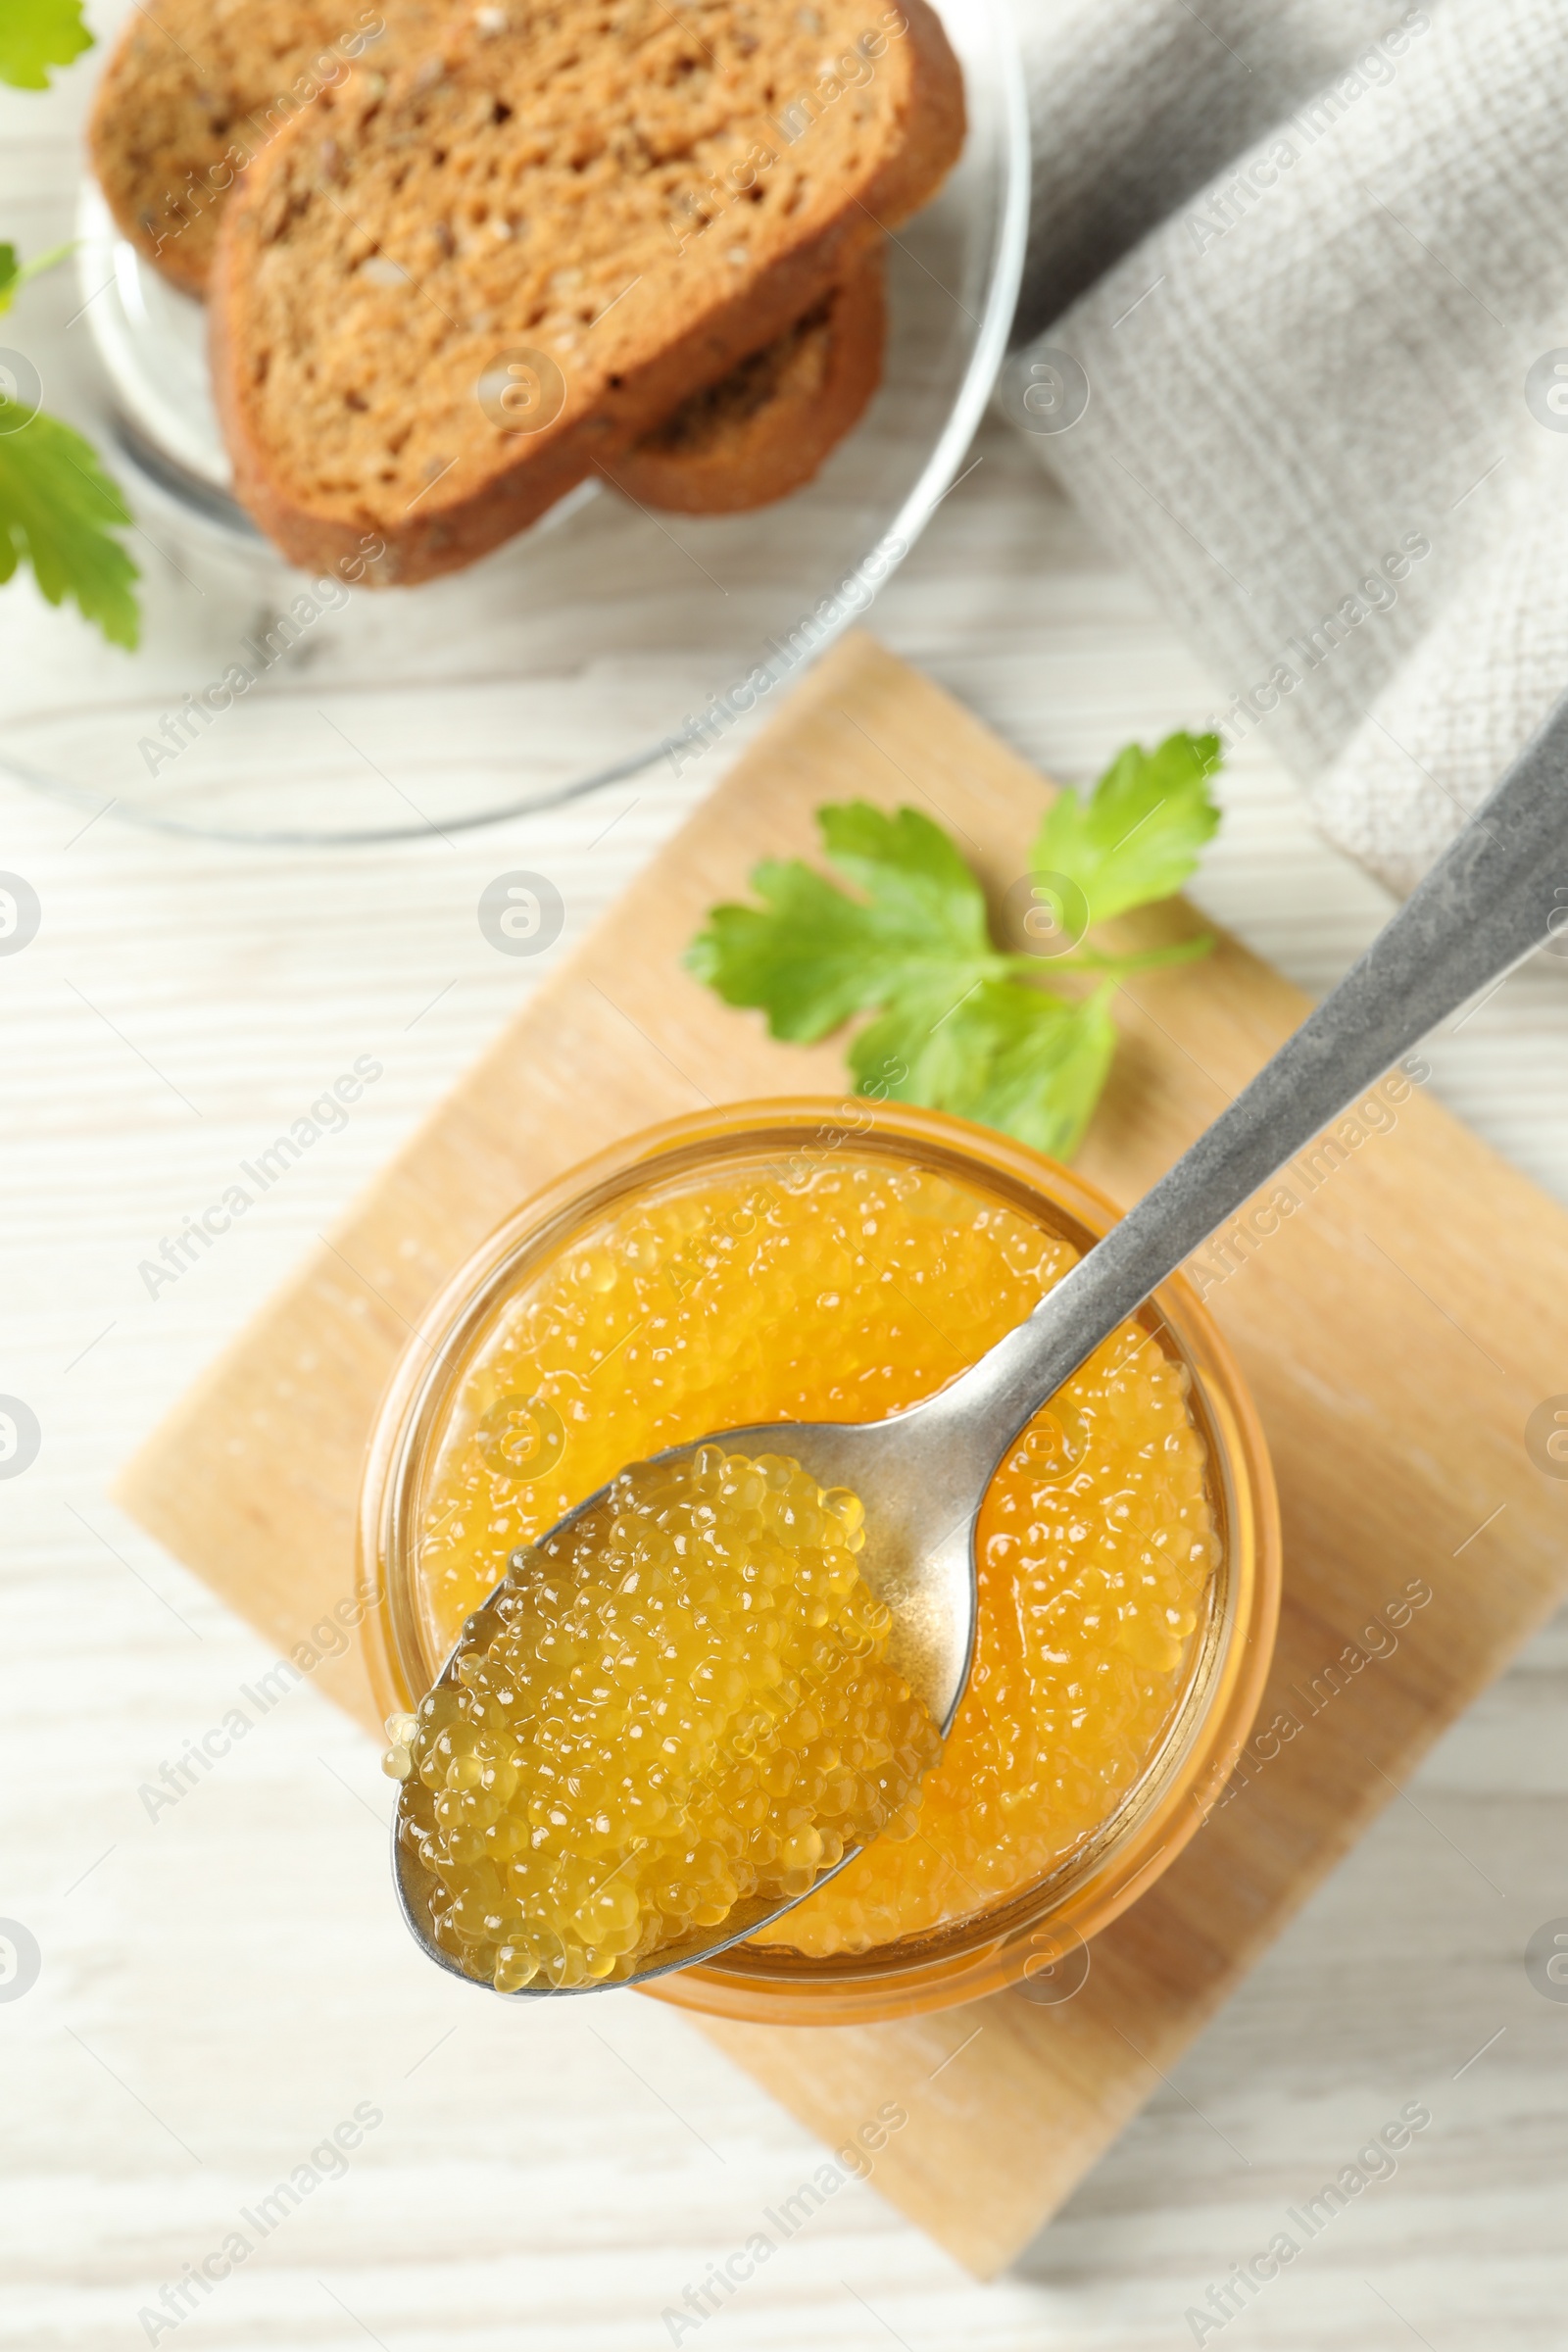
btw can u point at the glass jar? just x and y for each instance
(1037, 1930)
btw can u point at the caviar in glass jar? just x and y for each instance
(843, 1286)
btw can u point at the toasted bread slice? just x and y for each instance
(195, 88)
(765, 428)
(437, 304)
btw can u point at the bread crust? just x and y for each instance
(678, 329)
(764, 430)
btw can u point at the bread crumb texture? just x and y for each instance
(194, 89)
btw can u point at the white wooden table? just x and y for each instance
(224, 1983)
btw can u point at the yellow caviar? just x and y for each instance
(843, 1286)
(677, 1704)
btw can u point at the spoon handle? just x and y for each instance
(1498, 892)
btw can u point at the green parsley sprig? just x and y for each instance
(57, 507)
(960, 1023)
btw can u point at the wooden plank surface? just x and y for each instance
(1391, 1329)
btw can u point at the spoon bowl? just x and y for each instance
(919, 1557)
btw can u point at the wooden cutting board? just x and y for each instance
(1392, 1329)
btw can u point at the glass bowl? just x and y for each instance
(1035, 1933)
(601, 640)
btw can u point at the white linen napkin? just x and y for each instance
(1312, 390)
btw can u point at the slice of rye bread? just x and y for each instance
(765, 428)
(437, 303)
(194, 89)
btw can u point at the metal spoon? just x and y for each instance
(1499, 892)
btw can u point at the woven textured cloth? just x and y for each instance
(1317, 388)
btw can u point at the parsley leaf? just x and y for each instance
(1137, 835)
(15, 273)
(810, 956)
(1007, 1055)
(35, 34)
(957, 1024)
(57, 509)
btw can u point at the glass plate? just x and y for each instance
(598, 642)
